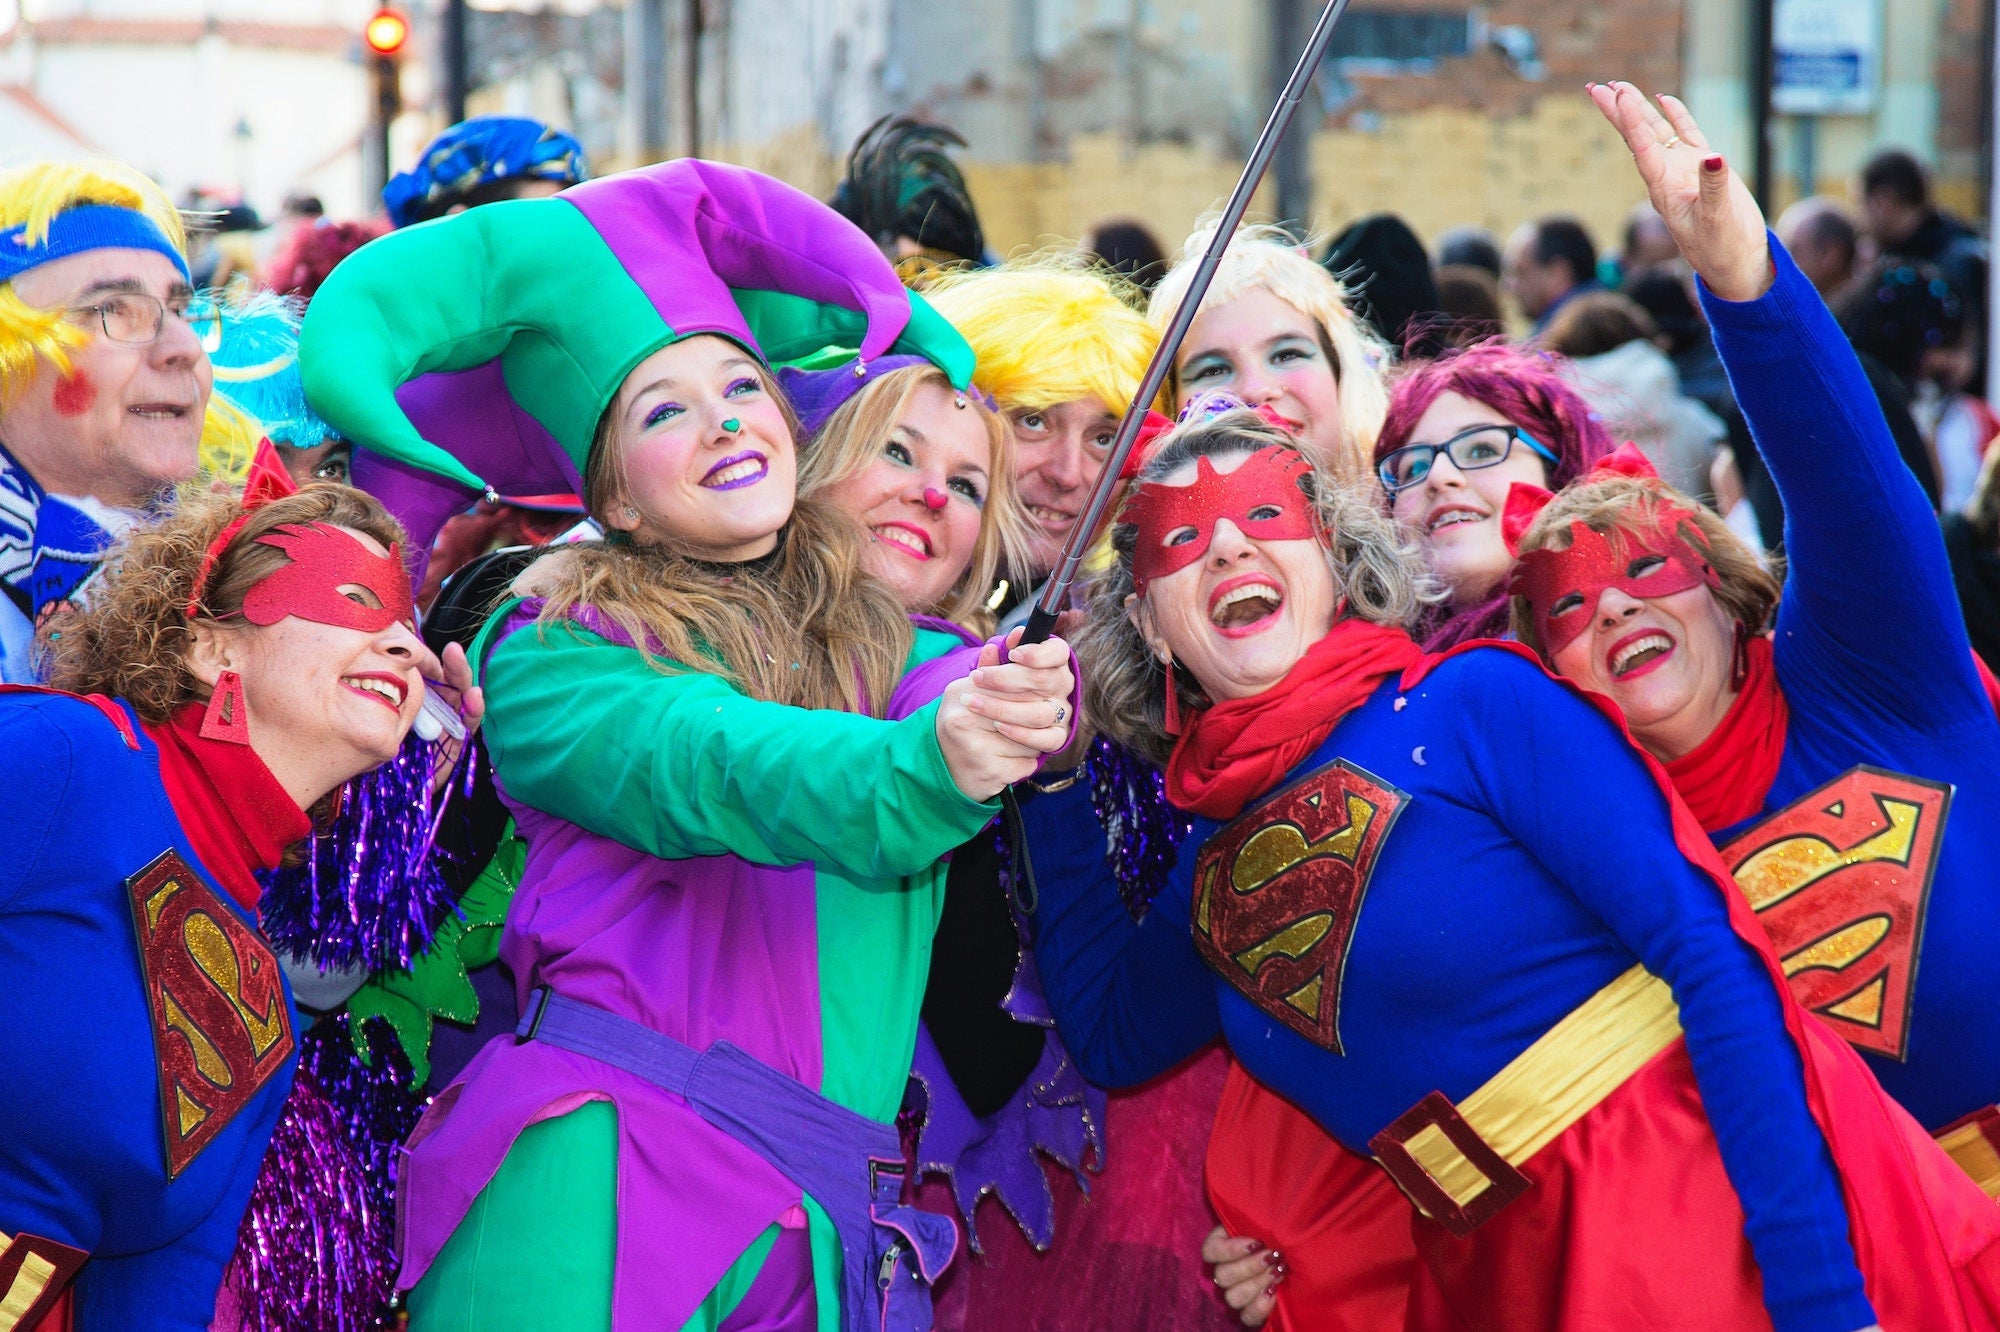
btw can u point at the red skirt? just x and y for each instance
(1127, 1257)
(1629, 1222)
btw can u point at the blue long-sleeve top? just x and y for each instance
(82, 1154)
(1531, 862)
(1872, 656)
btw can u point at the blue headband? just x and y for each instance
(80, 230)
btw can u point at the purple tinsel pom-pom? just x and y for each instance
(377, 1106)
(367, 896)
(314, 1252)
(1143, 832)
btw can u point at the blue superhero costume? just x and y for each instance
(1872, 858)
(147, 1026)
(1491, 904)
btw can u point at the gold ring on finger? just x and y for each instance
(1674, 142)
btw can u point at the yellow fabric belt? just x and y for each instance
(1457, 1162)
(1972, 1145)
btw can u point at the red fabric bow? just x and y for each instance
(1157, 424)
(1525, 500)
(267, 480)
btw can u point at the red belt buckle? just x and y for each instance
(1504, 1182)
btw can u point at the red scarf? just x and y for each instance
(1725, 778)
(235, 815)
(1237, 750)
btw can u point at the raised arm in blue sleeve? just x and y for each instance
(1609, 841)
(1131, 999)
(1868, 573)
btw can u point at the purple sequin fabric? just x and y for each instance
(315, 1252)
(1143, 833)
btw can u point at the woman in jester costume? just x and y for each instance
(722, 741)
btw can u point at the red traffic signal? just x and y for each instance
(386, 32)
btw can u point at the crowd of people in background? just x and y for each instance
(538, 673)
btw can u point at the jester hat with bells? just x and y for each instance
(476, 353)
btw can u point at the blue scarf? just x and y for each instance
(49, 546)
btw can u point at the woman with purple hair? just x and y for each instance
(1461, 430)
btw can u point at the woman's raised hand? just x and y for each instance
(1718, 226)
(995, 725)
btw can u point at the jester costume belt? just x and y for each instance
(852, 1165)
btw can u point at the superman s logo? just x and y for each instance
(221, 1026)
(1277, 890)
(1840, 879)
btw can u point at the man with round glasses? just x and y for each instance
(103, 382)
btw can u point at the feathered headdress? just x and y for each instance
(901, 182)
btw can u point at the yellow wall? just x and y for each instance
(1436, 168)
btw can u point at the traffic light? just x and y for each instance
(388, 29)
(385, 35)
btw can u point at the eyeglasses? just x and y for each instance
(136, 318)
(1469, 450)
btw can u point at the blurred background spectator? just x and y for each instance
(1823, 241)
(1387, 276)
(1469, 303)
(1128, 248)
(1548, 262)
(1470, 246)
(1618, 364)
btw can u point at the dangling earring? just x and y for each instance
(1173, 723)
(1739, 669)
(225, 719)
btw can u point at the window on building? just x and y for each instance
(1401, 38)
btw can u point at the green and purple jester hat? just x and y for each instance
(476, 353)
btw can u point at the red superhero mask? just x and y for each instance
(325, 559)
(1562, 587)
(1262, 497)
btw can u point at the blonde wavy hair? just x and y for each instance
(1749, 590)
(33, 195)
(1379, 573)
(854, 437)
(1266, 258)
(1048, 328)
(133, 639)
(812, 628)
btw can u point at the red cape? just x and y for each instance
(1924, 1234)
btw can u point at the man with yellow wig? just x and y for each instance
(103, 383)
(1062, 355)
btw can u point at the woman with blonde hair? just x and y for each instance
(1275, 330)
(722, 740)
(928, 472)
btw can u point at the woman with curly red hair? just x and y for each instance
(240, 665)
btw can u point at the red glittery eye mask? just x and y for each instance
(324, 559)
(1267, 479)
(1562, 587)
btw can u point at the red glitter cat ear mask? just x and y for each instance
(1562, 587)
(1265, 484)
(324, 559)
